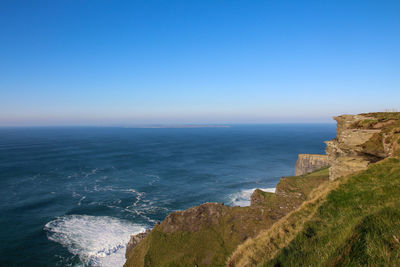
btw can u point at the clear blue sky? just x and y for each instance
(106, 62)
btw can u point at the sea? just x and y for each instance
(72, 196)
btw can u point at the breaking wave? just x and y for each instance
(96, 240)
(242, 198)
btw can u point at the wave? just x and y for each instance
(97, 240)
(242, 198)
(155, 178)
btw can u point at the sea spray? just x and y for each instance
(97, 240)
(242, 198)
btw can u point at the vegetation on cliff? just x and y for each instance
(389, 123)
(206, 235)
(355, 222)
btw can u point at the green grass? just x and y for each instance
(374, 241)
(358, 224)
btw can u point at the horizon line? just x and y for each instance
(159, 125)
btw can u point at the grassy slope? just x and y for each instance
(212, 245)
(349, 227)
(353, 221)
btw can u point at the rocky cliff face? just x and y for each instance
(307, 163)
(361, 140)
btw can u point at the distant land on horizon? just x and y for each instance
(179, 126)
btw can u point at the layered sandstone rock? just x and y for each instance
(361, 140)
(345, 152)
(307, 163)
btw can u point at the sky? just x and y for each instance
(106, 62)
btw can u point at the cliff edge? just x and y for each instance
(361, 140)
(206, 235)
(305, 208)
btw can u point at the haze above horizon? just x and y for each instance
(196, 62)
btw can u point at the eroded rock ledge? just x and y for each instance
(361, 140)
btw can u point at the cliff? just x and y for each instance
(307, 163)
(352, 221)
(206, 235)
(308, 221)
(361, 140)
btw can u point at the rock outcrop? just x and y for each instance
(307, 163)
(361, 140)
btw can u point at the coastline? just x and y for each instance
(136, 175)
(213, 231)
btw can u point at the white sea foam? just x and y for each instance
(97, 240)
(242, 198)
(155, 178)
(80, 200)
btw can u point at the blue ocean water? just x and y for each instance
(73, 196)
